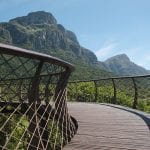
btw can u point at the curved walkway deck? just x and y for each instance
(109, 127)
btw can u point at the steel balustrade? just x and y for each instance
(135, 89)
(33, 109)
(33, 93)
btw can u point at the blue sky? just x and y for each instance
(107, 27)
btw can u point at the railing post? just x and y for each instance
(135, 102)
(60, 106)
(61, 85)
(76, 98)
(20, 90)
(0, 92)
(34, 97)
(34, 90)
(114, 100)
(96, 91)
(47, 91)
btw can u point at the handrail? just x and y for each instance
(110, 78)
(129, 84)
(16, 51)
(36, 82)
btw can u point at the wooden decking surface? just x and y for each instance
(109, 127)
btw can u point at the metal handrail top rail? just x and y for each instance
(16, 51)
(109, 78)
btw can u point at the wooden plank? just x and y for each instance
(109, 127)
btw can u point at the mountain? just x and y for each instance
(39, 31)
(122, 65)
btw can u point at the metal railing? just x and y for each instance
(33, 109)
(132, 91)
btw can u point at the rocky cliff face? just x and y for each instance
(35, 18)
(39, 31)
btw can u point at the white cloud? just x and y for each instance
(138, 55)
(108, 50)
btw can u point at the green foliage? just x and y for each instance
(16, 131)
(16, 127)
(87, 92)
(124, 99)
(144, 105)
(105, 94)
(83, 92)
(55, 137)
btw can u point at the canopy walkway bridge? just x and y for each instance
(109, 127)
(35, 115)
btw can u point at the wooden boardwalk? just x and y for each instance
(109, 127)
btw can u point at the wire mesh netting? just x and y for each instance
(33, 109)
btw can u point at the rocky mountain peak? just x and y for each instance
(122, 65)
(40, 32)
(120, 58)
(33, 18)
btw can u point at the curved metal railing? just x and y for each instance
(33, 109)
(132, 91)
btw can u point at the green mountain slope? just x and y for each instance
(122, 65)
(39, 31)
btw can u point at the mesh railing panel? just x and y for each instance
(131, 91)
(33, 109)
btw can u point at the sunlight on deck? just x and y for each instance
(109, 127)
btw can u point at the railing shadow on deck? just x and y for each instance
(33, 108)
